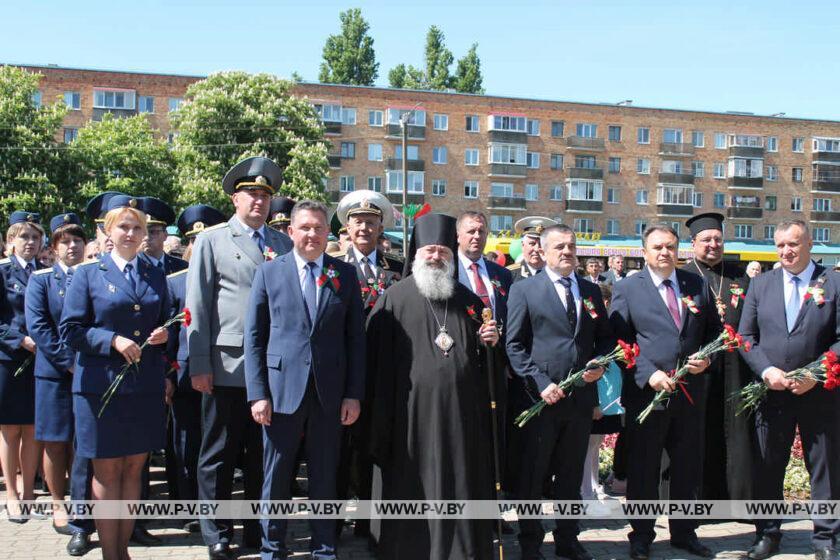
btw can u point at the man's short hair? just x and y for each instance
(312, 206)
(659, 226)
(787, 224)
(592, 260)
(470, 214)
(557, 228)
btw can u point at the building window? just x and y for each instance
(643, 166)
(720, 140)
(584, 225)
(413, 152)
(822, 235)
(508, 153)
(471, 156)
(720, 200)
(796, 174)
(641, 197)
(36, 99)
(769, 232)
(585, 162)
(439, 187)
(613, 227)
(439, 155)
(698, 139)
(472, 123)
(770, 203)
(615, 165)
(672, 166)
(328, 112)
(743, 231)
(587, 130)
(556, 161)
(672, 136)
(772, 173)
(441, 122)
(698, 199)
(772, 143)
(73, 100)
(746, 141)
(348, 116)
(796, 204)
(501, 223)
(174, 103)
(532, 160)
(70, 134)
(374, 152)
(375, 184)
(613, 195)
(503, 190)
(749, 168)
(416, 117)
(346, 183)
(676, 195)
(510, 123)
(470, 189)
(798, 145)
(146, 104)
(698, 168)
(557, 129)
(640, 226)
(555, 193)
(820, 204)
(533, 127)
(532, 192)
(581, 189)
(720, 171)
(416, 181)
(643, 135)
(614, 133)
(113, 99)
(375, 118)
(825, 145)
(348, 150)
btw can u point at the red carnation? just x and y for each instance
(831, 357)
(187, 316)
(747, 346)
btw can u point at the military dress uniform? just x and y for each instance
(160, 213)
(17, 393)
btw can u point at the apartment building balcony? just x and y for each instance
(832, 217)
(585, 173)
(750, 152)
(746, 182)
(676, 178)
(678, 149)
(414, 132)
(826, 156)
(506, 202)
(826, 178)
(411, 198)
(508, 137)
(99, 113)
(395, 164)
(681, 210)
(585, 143)
(744, 212)
(585, 206)
(334, 160)
(507, 170)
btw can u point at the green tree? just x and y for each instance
(406, 77)
(468, 73)
(438, 61)
(32, 163)
(349, 57)
(233, 115)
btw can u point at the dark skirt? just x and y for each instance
(54, 409)
(131, 424)
(17, 394)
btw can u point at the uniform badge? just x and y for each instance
(112, 288)
(16, 287)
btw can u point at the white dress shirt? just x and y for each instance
(121, 264)
(658, 281)
(23, 263)
(303, 270)
(465, 276)
(561, 290)
(371, 258)
(250, 231)
(804, 281)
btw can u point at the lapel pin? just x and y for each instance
(112, 288)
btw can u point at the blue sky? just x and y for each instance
(744, 55)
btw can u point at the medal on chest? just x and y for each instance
(442, 340)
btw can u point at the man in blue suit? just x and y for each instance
(669, 313)
(304, 368)
(789, 328)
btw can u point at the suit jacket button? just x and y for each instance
(136, 333)
(136, 307)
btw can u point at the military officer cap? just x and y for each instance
(194, 219)
(22, 216)
(532, 226)
(97, 207)
(66, 219)
(157, 211)
(336, 228)
(364, 202)
(253, 173)
(125, 201)
(281, 211)
(702, 222)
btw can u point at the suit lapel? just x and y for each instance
(115, 277)
(684, 310)
(291, 277)
(808, 304)
(143, 268)
(244, 241)
(326, 291)
(584, 314)
(553, 298)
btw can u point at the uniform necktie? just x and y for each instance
(571, 309)
(160, 265)
(793, 304)
(673, 306)
(130, 277)
(480, 288)
(366, 270)
(68, 277)
(28, 269)
(260, 242)
(309, 293)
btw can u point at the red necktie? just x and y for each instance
(480, 288)
(673, 306)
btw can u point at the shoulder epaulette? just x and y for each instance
(514, 266)
(214, 228)
(7, 260)
(338, 255)
(43, 271)
(180, 272)
(87, 262)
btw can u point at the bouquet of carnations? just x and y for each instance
(825, 370)
(183, 317)
(727, 341)
(623, 353)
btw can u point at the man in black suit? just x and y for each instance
(668, 312)
(557, 324)
(789, 330)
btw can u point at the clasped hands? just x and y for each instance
(775, 379)
(552, 394)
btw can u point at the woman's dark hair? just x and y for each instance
(70, 229)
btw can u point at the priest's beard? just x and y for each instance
(434, 281)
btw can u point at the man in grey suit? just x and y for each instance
(789, 330)
(224, 260)
(616, 271)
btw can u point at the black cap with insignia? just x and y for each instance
(702, 222)
(157, 211)
(66, 219)
(281, 211)
(195, 218)
(253, 173)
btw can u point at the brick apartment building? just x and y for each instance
(602, 168)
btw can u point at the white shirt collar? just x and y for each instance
(556, 277)
(249, 230)
(360, 256)
(467, 263)
(804, 276)
(62, 266)
(657, 280)
(301, 262)
(23, 263)
(121, 262)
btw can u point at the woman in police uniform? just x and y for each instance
(54, 360)
(18, 448)
(112, 307)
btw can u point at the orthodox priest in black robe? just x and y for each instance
(728, 447)
(431, 426)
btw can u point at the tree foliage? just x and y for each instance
(349, 57)
(436, 75)
(468, 73)
(438, 61)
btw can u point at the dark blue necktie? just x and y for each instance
(571, 308)
(310, 294)
(28, 269)
(68, 277)
(130, 277)
(260, 242)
